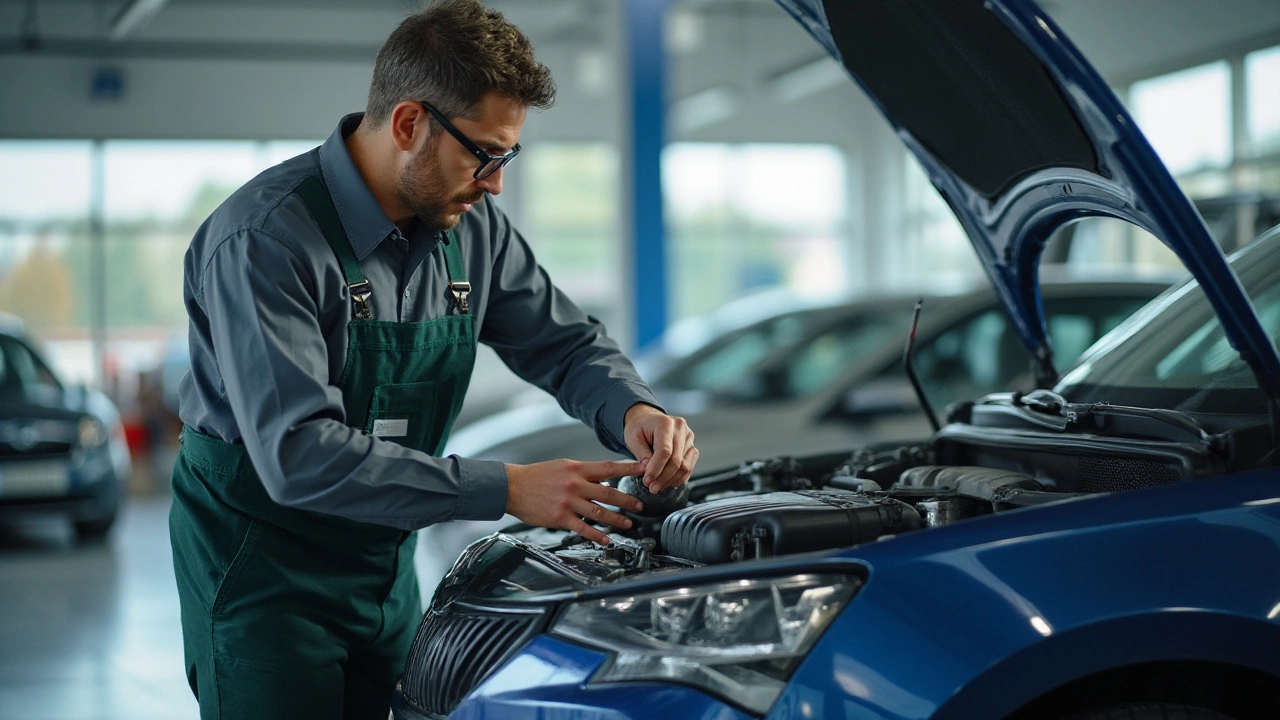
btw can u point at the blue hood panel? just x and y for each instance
(1020, 135)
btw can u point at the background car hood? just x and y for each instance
(726, 436)
(1020, 135)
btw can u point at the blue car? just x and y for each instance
(1104, 548)
(62, 448)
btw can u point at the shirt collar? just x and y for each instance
(362, 217)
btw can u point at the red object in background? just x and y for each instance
(135, 436)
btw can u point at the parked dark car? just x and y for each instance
(831, 378)
(1104, 547)
(62, 449)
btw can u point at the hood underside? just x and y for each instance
(1021, 136)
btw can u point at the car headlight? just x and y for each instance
(91, 433)
(739, 639)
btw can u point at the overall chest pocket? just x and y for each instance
(406, 413)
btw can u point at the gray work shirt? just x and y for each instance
(269, 310)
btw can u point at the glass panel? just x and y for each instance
(1187, 116)
(1206, 183)
(725, 365)
(826, 357)
(1269, 177)
(965, 361)
(20, 368)
(1102, 244)
(936, 252)
(571, 220)
(1262, 83)
(45, 181)
(44, 248)
(172, 183)
(1179, 357)
(277, 151)
(745, 217)
(157, 195)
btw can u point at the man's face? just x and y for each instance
(438, 183)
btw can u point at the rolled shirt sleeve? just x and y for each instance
(258, 296)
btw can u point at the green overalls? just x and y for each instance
(289, 613)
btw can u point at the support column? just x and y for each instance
(642, 178)
(98, 265)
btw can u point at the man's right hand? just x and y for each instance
(561, 493)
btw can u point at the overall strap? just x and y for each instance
(322, 209)
(458, 284)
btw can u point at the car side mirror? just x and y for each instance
(878, 397)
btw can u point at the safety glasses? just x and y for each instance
(489, 164)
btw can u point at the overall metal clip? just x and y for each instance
(360, 294)
(460, 291)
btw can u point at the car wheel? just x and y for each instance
(1150, 711)
(95, 530)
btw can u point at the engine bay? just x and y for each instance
(982, 465)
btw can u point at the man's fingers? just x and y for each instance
(675, 465)
(678, 472)
(611, 496)
(596, 514)
(600, 470)
(690, 461)
(585, 530)
(658, 461)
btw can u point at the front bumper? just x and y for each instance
(548, 678)
(92, 488)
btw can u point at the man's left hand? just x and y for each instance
(663, 444)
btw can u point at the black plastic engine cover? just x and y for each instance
(782, 523)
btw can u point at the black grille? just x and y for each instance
(455, 650)
(51, 450)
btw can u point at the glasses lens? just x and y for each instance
(490, 167)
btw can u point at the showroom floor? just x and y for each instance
(91, 633)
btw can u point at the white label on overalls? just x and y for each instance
(390, 428)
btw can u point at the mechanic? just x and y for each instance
(335, 304)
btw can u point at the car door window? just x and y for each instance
(982, 354)
(823, 358)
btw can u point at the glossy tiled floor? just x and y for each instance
(91, 633)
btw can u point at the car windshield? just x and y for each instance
(725, 362)
(20, 369)
(1174, 355)
(817, 360)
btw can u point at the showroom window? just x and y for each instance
(156, 196)
(1187, 116)
(936, 253)
(107, 305)
(1262, 73)
(46, 194)
(570, 216)
(759, 215)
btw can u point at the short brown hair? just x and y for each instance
(451, 54)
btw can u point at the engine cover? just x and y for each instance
(782, 523)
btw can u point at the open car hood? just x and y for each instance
(1020, 135)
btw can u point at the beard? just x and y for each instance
(422, 189)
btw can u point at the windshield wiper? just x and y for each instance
(1048, 409)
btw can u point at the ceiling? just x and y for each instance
(1123, 39)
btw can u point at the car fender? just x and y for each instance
(1033, 594)
(1159, 636)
